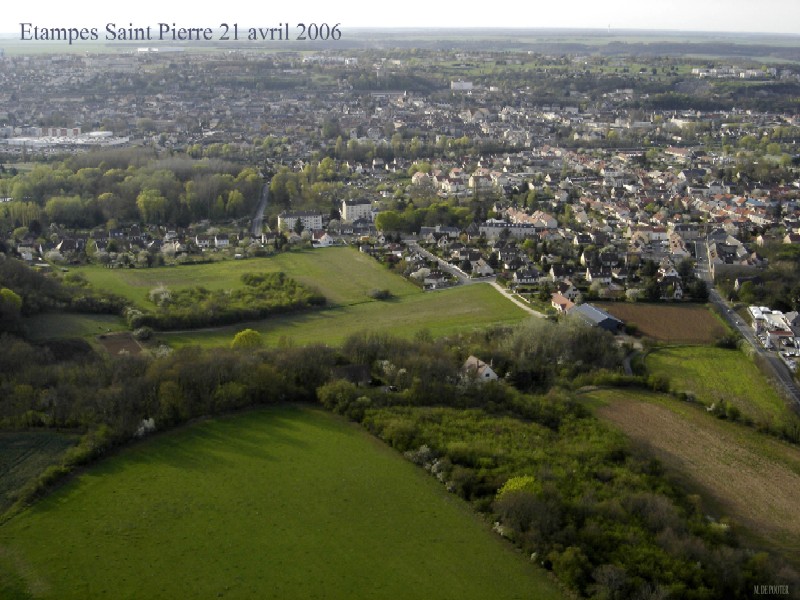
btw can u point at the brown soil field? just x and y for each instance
(742, 474)
(687, 324)
(117, 343)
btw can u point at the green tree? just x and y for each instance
(152, 206)
(247, 339)
(68, 211)
(235, 205)
(572, 567)
(698, 290)
(652, 290)
(10, 310)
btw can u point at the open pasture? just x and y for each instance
(50, 326)
(715, 374)
(438, 313)
(342, 275)
(278, 503)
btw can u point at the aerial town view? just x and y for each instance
(437, 307)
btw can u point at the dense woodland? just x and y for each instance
(92, 189)
(523, 450)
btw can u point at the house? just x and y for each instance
(321, 239)
(434, 279)
(222, 240)
(791, 238)
(602, 275)
(671, 287)
(477, 370)
(561, 303)
(559, 272)
(778, 338)
(526, 277)
(596, 317)
(567, 289)
(480, 268)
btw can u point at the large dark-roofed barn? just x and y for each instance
(597, 318)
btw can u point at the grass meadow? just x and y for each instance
(343, 275)
(740, 474)
(278, 503)
(713, 374)
(49, 326)
(438, 313)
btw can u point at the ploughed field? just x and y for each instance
(685, 324)
(741, 474)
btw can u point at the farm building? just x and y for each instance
(597, 318)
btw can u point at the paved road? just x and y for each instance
(258, 216)
(463, 278)
(775, 366)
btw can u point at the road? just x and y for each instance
(464, 279)
(775, 366)
(258, 216)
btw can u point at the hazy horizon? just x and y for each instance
(781, 17)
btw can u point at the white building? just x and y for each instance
(353, 210)
(287, 221)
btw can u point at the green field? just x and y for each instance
(279, 503)
(439, 313)
(51, 326)
(343, 275)
(741, 474)
(714, 374)
(24, 455)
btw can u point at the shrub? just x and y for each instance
(400, 434)
(337, 395)
(247, 339)
(522, 483)
(143, 334)
(376, 294)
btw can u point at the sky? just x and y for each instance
(762, 16)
